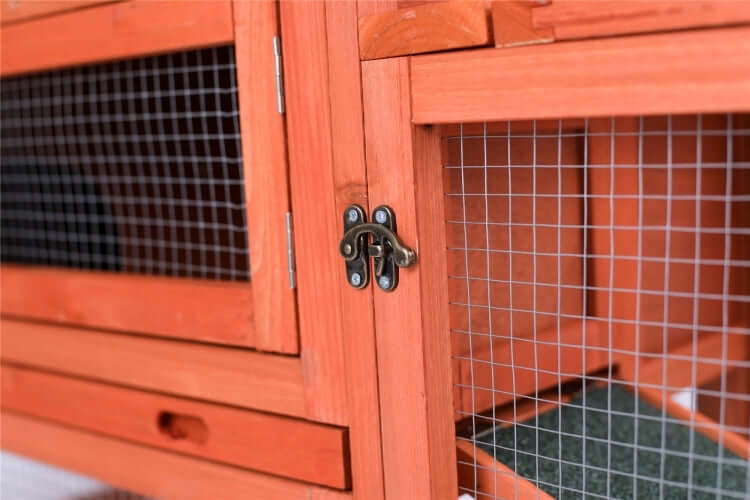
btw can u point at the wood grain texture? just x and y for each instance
(426, 28)
(582, 19)
(204, 310)
(112, 31)
(265, 175)
(145, 470)
(676, 73)
(481, 475)
(12, 11)
(265, 382)
(254, 440)
(512, 25)
(350, 178)
(706, 426)
(316, 221)
(412, 325)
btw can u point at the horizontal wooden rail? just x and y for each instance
(255, 440)
(145, 470)
(12, 11)
(205, 310)
(239, 377)
(685, 72)
(112, 31)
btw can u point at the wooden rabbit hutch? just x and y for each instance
(378, 249)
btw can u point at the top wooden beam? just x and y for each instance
(424, 28)
(685, 72)
(114, 31)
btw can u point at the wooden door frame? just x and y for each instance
(686, 72)
(260, 314)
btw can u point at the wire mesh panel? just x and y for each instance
(131, 166)
(599, 277)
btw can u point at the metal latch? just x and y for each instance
(386, 249)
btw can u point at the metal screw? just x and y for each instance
(355, 279)
(347, 248)
(381, 216)
(384, 282)
(353, 215)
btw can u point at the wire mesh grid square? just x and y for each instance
(599, 277)
(131, 166)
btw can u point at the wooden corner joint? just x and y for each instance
(513, 24)
(431, 27)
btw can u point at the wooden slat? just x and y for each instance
(585, 19)
(684, 72)
(18, 10)
(316, 222)
(350, 178)
(258, 441)
(426, 28)
(193, 309)
(145, 470)
(265, 175)
(512, 25)
(111, 31)
(412, 324)
(480, 474)
(234, 376)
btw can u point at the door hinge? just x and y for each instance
(279, 74)
(290, 251)
(386, 249)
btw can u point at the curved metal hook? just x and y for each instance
(349, 248)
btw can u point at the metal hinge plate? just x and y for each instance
(290, 251)
(279, 74)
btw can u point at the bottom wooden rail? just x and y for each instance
(146, 470)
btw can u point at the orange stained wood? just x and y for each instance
(706, 426)
(512, 25)
(19, 10)
(585, 19)
(481, 475)
(350, 179)
(412, 324)
(425, 28)
(146, 470)
(702, 71)
(258, 441)
(265, 176)
(549, 358)
(112, 31)
(239, 377)
(205, 310)
(316, 223)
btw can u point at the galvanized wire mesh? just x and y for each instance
(599, 272)
(131, 166)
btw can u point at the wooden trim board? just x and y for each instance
(233, 376)
(145, 470)
(258, 441)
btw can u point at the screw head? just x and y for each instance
(381, 217)
(384, 282)
(352, 215)
(347, 248)
(355, 279)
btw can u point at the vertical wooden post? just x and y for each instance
(412, 324)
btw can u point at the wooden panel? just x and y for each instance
(19, 10)
(426, 28)
(145, 470)
(535, 366)
(481, 475)
(118, 30)
(412, 325)
(316, 222)
(512, 25)
(265, 174)
(350, 178)
(677, 73)
(576, 19)
(244, 378)
(205, 310)
(258, 441)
